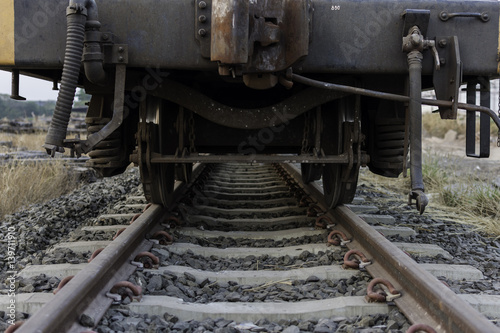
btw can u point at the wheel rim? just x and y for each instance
(332, 184)
(157, 179)
(310, 172)
(338, 186)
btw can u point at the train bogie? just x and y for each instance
(330, 85)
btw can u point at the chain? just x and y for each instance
(305, 139)
(192, 135)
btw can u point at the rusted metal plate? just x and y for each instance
(230, 28)
(279, 35)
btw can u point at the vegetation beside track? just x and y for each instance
(25, 184)
(458, 189)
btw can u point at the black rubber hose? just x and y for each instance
(71, 71)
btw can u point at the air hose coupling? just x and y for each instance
(93, 57)
(78, 13)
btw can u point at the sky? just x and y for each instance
(32, 89)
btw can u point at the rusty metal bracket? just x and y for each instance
(118, 113)
(341, 238)
(115, 53)
(383, 296)
(246, 36)
(355, 263)
(447, 80)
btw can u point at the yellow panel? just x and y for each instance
(498, 52)
(7, 46)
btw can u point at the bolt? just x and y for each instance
(105, 36)
(443, 42)
(202, 32)
(202, 18)
(443, 16)
(485, 17)
(442, 61)
(120, 59)
(120, 49)
(202, 4)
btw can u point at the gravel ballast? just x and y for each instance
(39, 226)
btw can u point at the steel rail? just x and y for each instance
(86, 292)
(424, 298)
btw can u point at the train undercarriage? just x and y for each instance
(332, 86)
(325, 131)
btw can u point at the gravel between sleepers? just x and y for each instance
(39, 226)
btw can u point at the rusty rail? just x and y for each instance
(424, 298)
(86, 293)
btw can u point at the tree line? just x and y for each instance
(13, 109)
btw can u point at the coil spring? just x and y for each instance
(390, 143)
(108, 152)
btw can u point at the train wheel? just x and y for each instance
(339, 181)
(310, 172)
(183, 172)
(155, 136)
(161, 184)
(332, 184)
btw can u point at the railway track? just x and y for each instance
(245, 250)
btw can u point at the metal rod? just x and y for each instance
(470, 124)
(393, 97)
(349, 89)
(15, 86)
(337, 159)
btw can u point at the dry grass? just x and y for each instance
(22, 184)
(454, 195)
(476, 203)
(433, 125)
(23, 141)
(25, 184)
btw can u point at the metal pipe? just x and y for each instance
(349, 89)
(15, 86)
(415, 110)
(93, 57)
(393, 97)
(77, 14)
